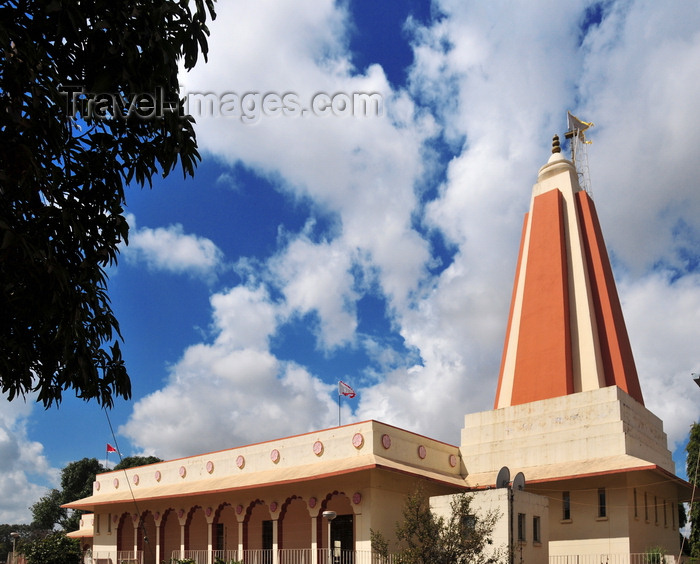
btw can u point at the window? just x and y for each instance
(673, 516)
(656, 512)
(646, 507)
(636, 509)
(342, 531)
(536, 535)
(97, 523)
(566, 506)
(521, 527)
(602, 505)
(665, 516)
(267, 542)
(109, 523)
(219, 536)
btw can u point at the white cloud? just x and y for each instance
(233, 386)
(171, 249)
(22, 464)
(661, 317)
(317, 278)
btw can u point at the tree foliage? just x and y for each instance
(47, 512)
(89, 103)
(76, 483)
(25, 532)
(55, 548)
(133, 461)
(693, 460)
(424, 538)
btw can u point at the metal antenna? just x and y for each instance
(579, 149)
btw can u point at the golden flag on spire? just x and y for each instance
(578, 127)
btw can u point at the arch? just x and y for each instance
(169, 534)
(294, 524)
(125, 532)
(196, 537)
(340, 503)
(146, 537)
(225, 528)
(253, 529)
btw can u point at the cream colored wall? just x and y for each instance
(498, 502)
(604, 534)
(336, 447)
(620, 531)
(385, 502)
(649, 533)
(587, 426)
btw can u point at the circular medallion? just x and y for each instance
(135, 479)
(239, 509)
(240, 462)
(386, 441)
(181, 513)
(421, 452)
(275, 455)
(210, 467)
(318, 448)
(312, 502)
(116, 482)
(358, 440)
(158, 476)
(273, 507)
(208, 511)
(182, 471)
(97, 486)
(134, 517)
(357, 498)
(156, 515)
(453, 460)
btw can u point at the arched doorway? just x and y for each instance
(170, 535)
(257, 532)
(294, 525)
(225, 533)
(146, 537)
(196, 537)
(342, 530)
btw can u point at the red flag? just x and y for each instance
(345, 390)
(110, 448)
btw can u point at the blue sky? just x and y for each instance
(381, 250)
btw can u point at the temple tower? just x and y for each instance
(566, 332)
(569, 412)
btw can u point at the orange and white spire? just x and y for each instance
(566, 332)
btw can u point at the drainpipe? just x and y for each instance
(511, 547)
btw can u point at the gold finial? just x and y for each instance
(556, 148)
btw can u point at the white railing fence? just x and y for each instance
(640, 558)
(281, 556)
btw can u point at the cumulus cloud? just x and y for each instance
(172, 250)
(24, 469)
(234, 386)
(494, 81)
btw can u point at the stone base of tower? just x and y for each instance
(600, 457)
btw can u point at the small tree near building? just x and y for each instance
(425, 538)
(693, 460)
(56, 548)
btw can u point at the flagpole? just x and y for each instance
(338, 409)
